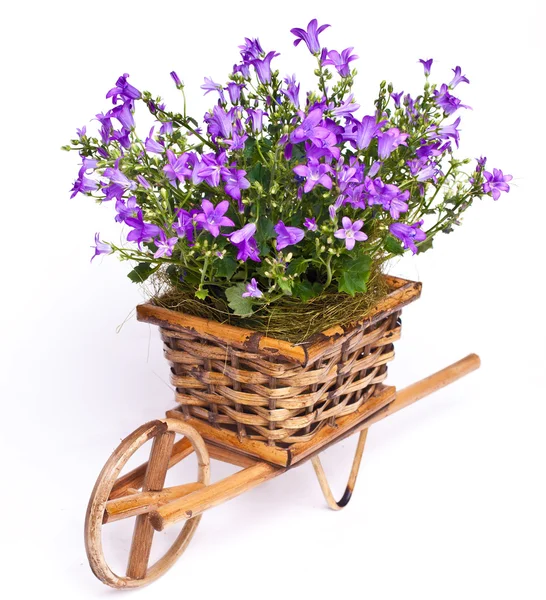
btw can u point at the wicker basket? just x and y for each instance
(271, 391)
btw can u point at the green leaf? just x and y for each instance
(265, 230)
(260, 174)
(393, 246)
(424, 246)
(297, 266)
(250, 145)
(355, 274)
(141, 272)
(239, 305)
(201, 294)
(305, 290)
(226, 267)
(285, 285)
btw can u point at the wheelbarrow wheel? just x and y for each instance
(137, 494)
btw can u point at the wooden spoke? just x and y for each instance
(154, 479)
(106, 506)
(325, 487)
(135, 478)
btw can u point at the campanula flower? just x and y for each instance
(315, 173)
(447, 101)
(83, 184)
(350, 232)
(310, 37)
(211, 86)
(496, 182)
(263, 66)
(309, 129)
(311, 224)
(287, 236)
(152, 145)
(142, 232)
(124, 114)
(365, 131)
(388, 196)
(408, 234)
(340, 61)
(389, 140)
(186, 223)
(396, 97)
(220, 122)
(427, 64)
(164, 245)
(234, 91)
(251, 49)
(255, 116)
(243, 240)
(235, 181)
(176, 80)
(123, 90)
(212, 218)
(126, 209)
(100, 247)
(457, 78)
(252, 290)
(176, 168)
(292, 91)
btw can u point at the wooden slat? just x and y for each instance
(154, 480)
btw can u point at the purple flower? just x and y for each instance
(244, 241)
(346, 108)
(310, 37)
(123, 114)
(350, 232)
(119, 183)
(255, 116)
(251, 49)
(389, 140)
(446, 101)
(211, 86)
(152, 145)
(234, 91)
(219, 122)
(496, 182)
(263, 66)
(292, 90)
(388, 195)
(365, 132)
(310, 223)
(176, 80)
(457, 78)
(142, 180)
(81, 133)
(408, 234)
(142, 232)
(287, 236)
(176, 168)
(310, 129)
(449, 131)
(123, 90)
(186, 224)
(252, 290)
(100, 247)
(396, 98)
(83, 184)
(126, 210)
(235, 182)
(164, 245)
(213, 218)
(341, 61)
(315, 174)
(426, 65)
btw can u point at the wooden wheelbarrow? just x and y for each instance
(141, 492)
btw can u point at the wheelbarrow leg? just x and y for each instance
(325, 487)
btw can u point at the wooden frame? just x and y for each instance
(155, 508)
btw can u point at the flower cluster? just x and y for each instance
(278, 193)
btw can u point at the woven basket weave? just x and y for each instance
(270, 390)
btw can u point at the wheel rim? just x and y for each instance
(103, 488)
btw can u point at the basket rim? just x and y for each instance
(403, 291)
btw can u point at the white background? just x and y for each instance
(450, 500)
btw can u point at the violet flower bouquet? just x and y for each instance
(280, 194)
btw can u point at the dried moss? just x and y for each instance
(288, 318)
